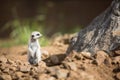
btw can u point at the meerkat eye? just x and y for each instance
(32, 36)
(37, 34)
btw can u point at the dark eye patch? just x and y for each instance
(38, 34)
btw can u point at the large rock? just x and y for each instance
(103, 33)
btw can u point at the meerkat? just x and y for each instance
(34, 49)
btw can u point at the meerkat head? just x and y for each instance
(35, 35)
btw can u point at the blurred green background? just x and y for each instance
(18, 18)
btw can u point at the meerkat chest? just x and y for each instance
(34, 45)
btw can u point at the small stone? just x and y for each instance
(86, 54)
(4, 66)
(74, 75)
(78, 56)
(6, 70)
(117, 52)
(10, 61)
(42, 64)
(33, 71)
(25, 69)
(118, 76)
(116, 60)
(62, 74)
(100, 57)
(12, 68)
(43, 77)
(3, 59)
(45, 54)
(52, 70)
(5, 77)
(18, 62)
(86, 76)
(51, 78)
(70, 65)
(19, 75)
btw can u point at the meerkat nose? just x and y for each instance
(32, 36)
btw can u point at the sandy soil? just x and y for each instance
(57, 66)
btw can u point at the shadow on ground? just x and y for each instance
(54, 60)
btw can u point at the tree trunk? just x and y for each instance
(102, 34)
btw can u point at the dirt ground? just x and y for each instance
(57, 66)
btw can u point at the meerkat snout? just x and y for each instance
(34, 49)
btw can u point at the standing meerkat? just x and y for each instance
(34, 49)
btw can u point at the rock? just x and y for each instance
(13, 68)
(86, 76)
(4, 66)
(19, 75)
(41, 68)
(18, 62)
(45, 77)
(100, 57)
(118, 76)
(117, 52)
(11, 62)
(116, 60)
(79, 56)
(51, 78)
(25, 69)
(42, 76)
(5, 77)
(6, 70)
(52, 70)
(26, 63)
(62, 73)
(22, 76)
(70, 65)
(108, 61)
(72, 54)
(86, 54)
(74, 75)
(3, 59)
(33, 71)
(45, 54)
(54, 59)
(42, 64)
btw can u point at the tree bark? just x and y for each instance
(103, 33)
